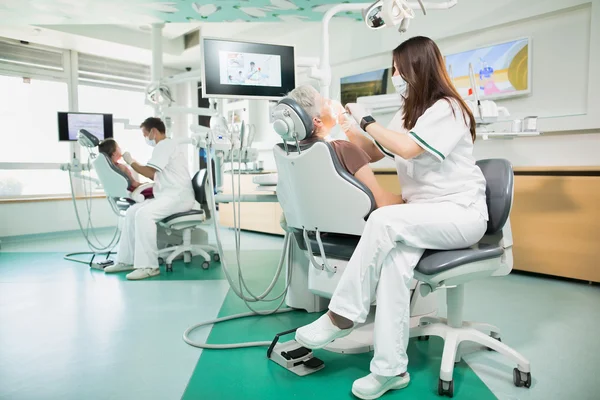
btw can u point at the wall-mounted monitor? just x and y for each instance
(232, 69)
(69, 124)
(501, 70)
(372, 83)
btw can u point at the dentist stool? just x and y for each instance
(452, 269)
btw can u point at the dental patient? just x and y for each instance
(325, 115)
(113, 152)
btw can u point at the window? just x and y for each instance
(33, 182)
(29, 135)
(29, 123)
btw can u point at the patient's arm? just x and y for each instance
(382, 196)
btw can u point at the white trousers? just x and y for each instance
(381, 268)
(138, 244)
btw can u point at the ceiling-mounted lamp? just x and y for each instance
(384, 13)
(160, 94)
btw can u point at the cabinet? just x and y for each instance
(556, 223)
(257, 217)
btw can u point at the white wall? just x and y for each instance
(51, 216)
(565, 55)
(566, 60)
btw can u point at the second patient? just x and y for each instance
(113, 152)
(355, 160)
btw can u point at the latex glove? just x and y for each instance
(127, 158)
(347, 122)
(356, 111)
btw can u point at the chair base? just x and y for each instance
(484, 334)
(188, 250)
(361, 338)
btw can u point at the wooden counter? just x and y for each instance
(257, 217)
(556, 222)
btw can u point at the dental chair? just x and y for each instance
(312, 206)
(115, 184)
(327, 214)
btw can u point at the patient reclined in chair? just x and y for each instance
(111, 149)
(354, 159)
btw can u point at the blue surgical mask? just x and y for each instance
(400, 85)
(149, 142)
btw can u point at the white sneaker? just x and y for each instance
(320, 333)
(374, 386)
(143, 273)
(119, 267)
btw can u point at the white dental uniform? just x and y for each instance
(173, 193)
(445, 209)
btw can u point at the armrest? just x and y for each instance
(136, 195)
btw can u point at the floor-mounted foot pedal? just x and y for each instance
(294, 357)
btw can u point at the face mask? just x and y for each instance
(399, 84)
(149, 142)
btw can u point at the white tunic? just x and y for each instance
(172, 176)
(446, 171)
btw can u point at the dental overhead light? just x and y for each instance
(159, 94)
(384, 13)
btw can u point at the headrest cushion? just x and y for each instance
(291, 120)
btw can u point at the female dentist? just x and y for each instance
(432, 141)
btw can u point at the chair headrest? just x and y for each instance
(291, 121)
(87, 139)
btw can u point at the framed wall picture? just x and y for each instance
(501, 70)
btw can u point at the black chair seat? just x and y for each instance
(435, 261)
(335, 246)
(181, 214)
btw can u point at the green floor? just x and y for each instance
(248, 374)
(68, 332)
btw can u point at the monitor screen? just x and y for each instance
(247, 70)
(69, 124)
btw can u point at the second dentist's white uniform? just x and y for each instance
(173, 193)
(445, 209)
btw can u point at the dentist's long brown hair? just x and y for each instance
(421, 65)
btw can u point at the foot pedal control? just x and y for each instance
(294, 357)
(101, 264)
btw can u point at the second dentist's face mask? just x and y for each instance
(150, 142)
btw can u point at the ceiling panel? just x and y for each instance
(49, 12)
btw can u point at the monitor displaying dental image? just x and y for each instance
(245, 70)
(250, 69)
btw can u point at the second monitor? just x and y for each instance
(234, 69)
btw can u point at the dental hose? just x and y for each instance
(239, 288)
(97, 248)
